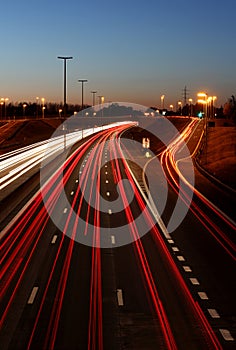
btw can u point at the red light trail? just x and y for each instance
(21, 241)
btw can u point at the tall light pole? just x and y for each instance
(162, 101)
(37, 103)
(82, 81)
(180, 107)
(2, 103)
(43, 107)
(65, 58)
(213, 106)
(203, 100)
(191, 105)
(94, 93)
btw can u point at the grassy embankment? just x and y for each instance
(219, 158)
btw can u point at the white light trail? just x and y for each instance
(19, 162)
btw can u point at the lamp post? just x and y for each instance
(162, 101)
(37, 103)
(191, 106)
(101, 101)
(2, 103)
(65, 58)
(6, 99)
(213, 106)
(203, 100)
(180, 106)
(82, 81)
(43, 107)
(94, 93)
(24, 107)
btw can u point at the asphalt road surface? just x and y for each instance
(89, 264)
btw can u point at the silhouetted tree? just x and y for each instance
(230, 109)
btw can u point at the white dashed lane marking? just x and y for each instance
(226, 334)
(180, 258)
(120, 297)
(203, 295)
(175, 249)
(54, 239)
(213, 313)
(194, 281)
(187, 269)
(33, 295)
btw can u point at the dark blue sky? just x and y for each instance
(132, 51)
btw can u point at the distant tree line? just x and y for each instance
(35, 110)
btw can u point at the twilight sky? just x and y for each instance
(129, 50)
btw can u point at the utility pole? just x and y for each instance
(65, 58)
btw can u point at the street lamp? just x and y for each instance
(37, 103)
(24, 107)
(82, 81)
(4, 102)
(162, 101)
(101, 101)
(94, 93)
(43, 107)
(180, 106)
(191, 106)
(65, 58)
(203, 101)
(213, 105)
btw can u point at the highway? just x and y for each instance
(78, 272)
